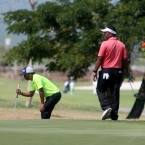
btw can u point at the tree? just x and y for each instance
(129, 19)
(67, 33)
(3, 51)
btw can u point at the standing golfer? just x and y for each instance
(112, 57)
(47, 90)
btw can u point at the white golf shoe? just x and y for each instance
(106, 113)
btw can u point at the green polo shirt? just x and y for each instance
(42, 82)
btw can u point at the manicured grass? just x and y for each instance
(67, 132)
(72, 132)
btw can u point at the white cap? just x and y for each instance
(108, 30)
(27, 70)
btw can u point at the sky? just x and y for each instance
(12, 5)
(114, 1)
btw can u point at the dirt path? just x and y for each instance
(7, 114)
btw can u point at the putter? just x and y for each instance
(15, 103)
(134, 94)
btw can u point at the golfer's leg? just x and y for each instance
(116, 95)
(115, 98)
(47, 113)
(101, 92)
(49, 105)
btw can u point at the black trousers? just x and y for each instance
(109, 78)
(49, 105)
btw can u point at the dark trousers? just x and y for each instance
(49, 105)
(109, 78)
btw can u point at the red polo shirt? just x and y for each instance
(112, 51)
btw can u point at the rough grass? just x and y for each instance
(81, 100)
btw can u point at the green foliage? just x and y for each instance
(68, 33)
(63, 32)
(22, 22)
(2, 50)
(128, 18)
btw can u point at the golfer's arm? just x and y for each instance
(126, 65)
(27, 94)
(41, 94)
(98, 64)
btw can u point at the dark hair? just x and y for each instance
(112, 28)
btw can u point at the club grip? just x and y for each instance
(18, 86)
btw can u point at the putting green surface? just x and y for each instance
(71, 132)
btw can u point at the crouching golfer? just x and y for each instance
(46, 90)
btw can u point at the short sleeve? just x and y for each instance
(102, 49)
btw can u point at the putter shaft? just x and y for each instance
(134, 94)
(15, 103)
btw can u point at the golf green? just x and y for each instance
(71, 132)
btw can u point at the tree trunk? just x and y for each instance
(139, 102)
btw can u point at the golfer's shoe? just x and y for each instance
(106, 113)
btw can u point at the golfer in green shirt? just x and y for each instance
(48, 92)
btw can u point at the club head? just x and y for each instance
(136, 95)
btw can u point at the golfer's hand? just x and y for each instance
(94, 76)
(127, 74)
(42, 107)
(18, 91)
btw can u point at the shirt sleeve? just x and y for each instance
(102, 49)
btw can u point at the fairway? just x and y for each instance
(71, 132)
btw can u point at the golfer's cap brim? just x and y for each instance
(22, 74)
(103, 30)
(108, 30)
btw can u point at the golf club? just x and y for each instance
(134, 94)
(15, 103)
